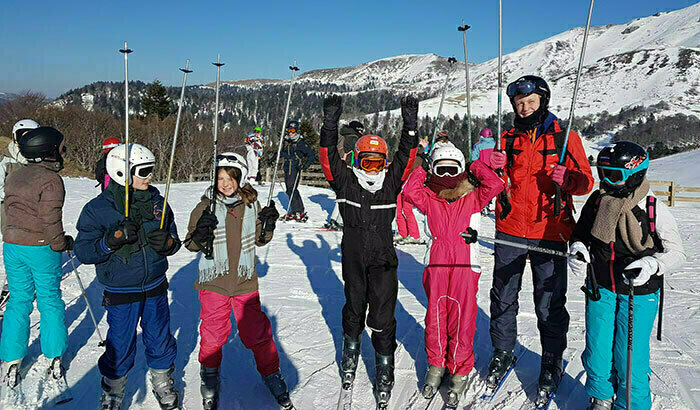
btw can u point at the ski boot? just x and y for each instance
(333, 225)
(600, 404)
(10, 373)
(301, 217)
(56, 369)
(500, 363)
(384, 365)
(275, 383)
(162, 384)
(550, 375)
(112, 393)
(433, 379)
(351, 356)
(209, 387)
(458, 384)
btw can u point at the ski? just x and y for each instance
(544, 399)
(59, 389)
(345, 398)
(491, 391)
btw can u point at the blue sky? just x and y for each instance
(57, 45)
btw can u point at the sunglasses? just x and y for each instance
(372, 164)
(446, 170)
(521, 88)
(143, 171)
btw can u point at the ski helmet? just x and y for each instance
(447, 152)
(357, 126)
(22, 126)
(371, 144)
(527, 85)
(141, 161)
(293, 124)
(41, 144)
(442, 136)
(257, 129)
(232, 159)
(486, 133)
(109, 143)
(622, 167)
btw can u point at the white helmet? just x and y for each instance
(447, 151)
(232, 159)
(23, 125)
(140, 157)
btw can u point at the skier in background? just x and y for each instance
(12, 160)
(623, 231)
(367, 195)
(482, 150)
(101, 175)
(33, 242)
(229, 281)
(130, 258)
(297, 156)
(348, 135)
(254, 147)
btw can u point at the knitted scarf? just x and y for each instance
(140, 210)
(616, 214)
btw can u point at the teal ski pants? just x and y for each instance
(33, 269)
(605, 357)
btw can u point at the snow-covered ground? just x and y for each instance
(302, 292)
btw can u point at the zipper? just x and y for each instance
(529, 175)
(612, 260)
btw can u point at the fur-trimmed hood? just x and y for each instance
(462, 189)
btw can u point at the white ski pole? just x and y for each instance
(127, 175)
(463, 28)
(450, 60)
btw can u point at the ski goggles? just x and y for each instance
(446, 170)
(291, 130)
(223, 160)
(521, 88)
(614, 176)
(372, 164)
(143, 171)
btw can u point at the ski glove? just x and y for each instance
(126, 232)
(473, 236)
(560, 176)
(68, 244)
(497, 160)
(205, 227)
(332, 108)
(269, 216)
(161, 241)
(409, 112)
(641, 270)
(578, 267)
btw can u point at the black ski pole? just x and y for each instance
(463, 28)
(473, 237)
(450, 60)
(562, 157)
(630, 322)
(209, 246)
(87, 302)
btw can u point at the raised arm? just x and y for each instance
(401, 166)
(334, 168)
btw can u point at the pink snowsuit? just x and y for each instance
(451, 277)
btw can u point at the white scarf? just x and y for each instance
(371, 183)
(13, 149)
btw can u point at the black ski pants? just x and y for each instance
(549, 281)
(291, 182)
(370, 281)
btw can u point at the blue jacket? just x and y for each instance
(484, 143)
(145, 269)
(297, 155)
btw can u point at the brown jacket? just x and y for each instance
(230, 284)
(33, 206)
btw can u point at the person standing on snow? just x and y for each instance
(348, 134)
(451, 277)
(526, 215)
(130, 258)
(101, 175)
(229, 280)
(33, 241)
(622, 231)
(12, 160)
(297, 156)
(482, 150)
(366, 195)
(254, 147)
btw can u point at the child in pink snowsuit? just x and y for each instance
(451, 276)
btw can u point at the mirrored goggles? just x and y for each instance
(143, 171)
(291, 130)
(372, 164)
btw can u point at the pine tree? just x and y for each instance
(156, 101)
(306, 128)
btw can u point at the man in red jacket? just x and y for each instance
(525, 213)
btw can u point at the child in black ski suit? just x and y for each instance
(366, 195)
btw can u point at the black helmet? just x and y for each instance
(293, 124)
(529, 84)
(622, 167)
(41, 144)
(357, 126)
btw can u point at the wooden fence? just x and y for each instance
(671, 192)
(313, 176)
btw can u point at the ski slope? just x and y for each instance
(302, 292)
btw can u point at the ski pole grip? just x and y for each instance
(557, 199)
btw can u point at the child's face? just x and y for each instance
(372, 156)
(141, 184)
(225, 184)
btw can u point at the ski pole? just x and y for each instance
(209, 247)
(87, 302)
(463, 28)
(538, 249)
(126, 51)
(450, 60)
(500, 72)
(294, 188)
(185, 70)
(630, 322)
(294, 69)
(562, 157)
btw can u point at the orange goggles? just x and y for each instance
(291, 130)
(372, 164)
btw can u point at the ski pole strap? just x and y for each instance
(594, 292)
(557, 199)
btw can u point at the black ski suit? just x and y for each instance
(296, 157)
(368, 254)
